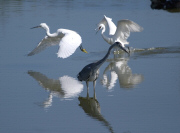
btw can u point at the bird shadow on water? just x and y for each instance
(65, 88)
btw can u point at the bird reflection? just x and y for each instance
(65, 87)
(120, 70)
(91, 107)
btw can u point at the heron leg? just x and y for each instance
(87, 84)
(94, 84)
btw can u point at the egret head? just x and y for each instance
(82, 49)
(100, 26)
(121, 47)
(42, 25)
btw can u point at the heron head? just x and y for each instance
(82, 49)
(121, 47)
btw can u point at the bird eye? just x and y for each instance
(99, 27)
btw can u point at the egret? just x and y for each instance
(91, 71)
(68, 41)
(119, 33)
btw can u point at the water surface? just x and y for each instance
(135, 94)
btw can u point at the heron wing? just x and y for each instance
(124, 27)
(46, 42)
(68, 44)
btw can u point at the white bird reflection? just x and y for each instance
(92, 108)
(65, 87)
(120, 70)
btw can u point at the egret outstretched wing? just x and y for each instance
(112, 26)
(68, 44)
(108, 21)
(124, 27)
(46, 42)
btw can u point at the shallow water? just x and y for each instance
(134, 94)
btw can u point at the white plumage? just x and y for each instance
(119, 33)
(68, 41)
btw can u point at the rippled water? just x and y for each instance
(134, 94)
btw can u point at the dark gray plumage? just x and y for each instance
(91, 71)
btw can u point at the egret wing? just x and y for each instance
(124, 27)
(68, 44)
(108, 21)
(112, 26)
(46, 42)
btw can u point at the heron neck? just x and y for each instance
(100, 62)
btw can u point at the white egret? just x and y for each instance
(119, 33)
(68, 41)
(91, 71)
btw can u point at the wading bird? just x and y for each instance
(91, 71)
(68, 41)
(119, 33)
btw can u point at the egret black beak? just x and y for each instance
(36, 27)
(82, 49)
(97, 29)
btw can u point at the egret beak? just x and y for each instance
(97, 29)
(84, 50)
(36, 27)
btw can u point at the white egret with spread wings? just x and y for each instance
(119, 33)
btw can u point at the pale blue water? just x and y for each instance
(41, 94)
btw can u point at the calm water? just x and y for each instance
(41, 94)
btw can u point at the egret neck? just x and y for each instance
(107, 39)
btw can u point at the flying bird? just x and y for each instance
(68, 41)
(119, 33)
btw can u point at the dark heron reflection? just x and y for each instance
(119, 70)
(92, 108)
(65, 87)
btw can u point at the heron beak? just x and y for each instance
(84, 50)
(36, 27)
(124, 50)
